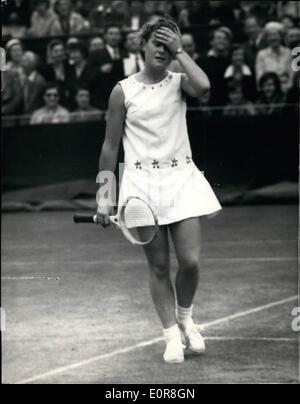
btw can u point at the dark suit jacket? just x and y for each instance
(90, 78)
(251, 49)
(106, 81)
(33, 96)
(67, 85)
(214, 67)
(23, 11)
(11, 94)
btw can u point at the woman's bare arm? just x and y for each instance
(115, 121)
(114, 129)
(194, 81)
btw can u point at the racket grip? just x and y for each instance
(83, 218)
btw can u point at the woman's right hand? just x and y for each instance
(103, 214)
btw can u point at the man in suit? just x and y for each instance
(216, 63)
(34, 84)
(109, 64)
(133, 61)
(85, 73)
(67, 21)
(60, 71)
(255, 42)
(137, 16)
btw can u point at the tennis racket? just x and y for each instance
(136, 219)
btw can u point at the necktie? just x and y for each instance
(26, 92)
(116, 54)
(137, 66)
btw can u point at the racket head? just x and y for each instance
(138, 221)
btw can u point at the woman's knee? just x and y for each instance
(190, 265)
(160, 270)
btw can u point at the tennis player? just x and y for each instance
(148, 111)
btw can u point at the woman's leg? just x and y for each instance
(158, 255)
(162, 292)
(186, 236)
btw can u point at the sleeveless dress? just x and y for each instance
(158, 160)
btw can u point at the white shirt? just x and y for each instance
(114, 52)
(280, 63)
(230, 71)
(130, 64)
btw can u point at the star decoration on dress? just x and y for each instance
(174, 162)
(155, 164)
(188, 160)
(138, 165)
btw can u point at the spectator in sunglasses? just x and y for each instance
(52, 112)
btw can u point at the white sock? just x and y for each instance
(172, 333)
(184, 315)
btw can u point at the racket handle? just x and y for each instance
(84, 218)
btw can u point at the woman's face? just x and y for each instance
(16, 53)
(238, 57)
(220, 41)
(83, 99)
(285, 83)
(274, 38)
(156, 54)
(58, 54)
(269, 88)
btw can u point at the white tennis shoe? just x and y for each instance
(192, 338)
(174, 352)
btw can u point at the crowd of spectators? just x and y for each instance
(91, 45)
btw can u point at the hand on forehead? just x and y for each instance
(165, 30)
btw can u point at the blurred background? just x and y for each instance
(64, 57)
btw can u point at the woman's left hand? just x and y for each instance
(168, 38)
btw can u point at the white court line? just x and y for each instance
(248, 312)
(143, 261)
(124, 242)
(251, 339)
(144, 344)
(30, 278)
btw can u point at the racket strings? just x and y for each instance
(140, 221)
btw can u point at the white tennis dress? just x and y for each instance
(158, 161)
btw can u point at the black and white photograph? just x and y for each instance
(150, 194)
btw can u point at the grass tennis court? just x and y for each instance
(79, 311)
